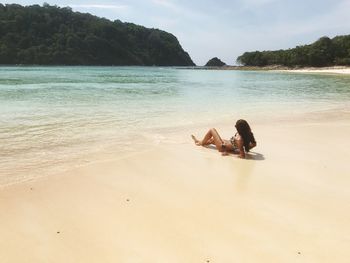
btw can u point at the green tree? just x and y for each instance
(323, 52)
(58, 36)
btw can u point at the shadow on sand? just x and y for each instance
(249, 156)
(255, 156)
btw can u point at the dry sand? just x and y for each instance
(324, 70)
(289, 202)
(343, 70)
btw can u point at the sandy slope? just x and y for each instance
(290, 202)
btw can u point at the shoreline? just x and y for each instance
(43, 144)
(325, 70)
(342, 70)
(182, 203)
(171, 136)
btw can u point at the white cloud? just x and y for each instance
(252, 4)
(226, 28)
(166, 3)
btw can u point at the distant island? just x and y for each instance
(50, 35)
(215, 62)
(324, 52)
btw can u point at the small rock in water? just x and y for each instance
(127, 200)
(58, 232)
(299, 253)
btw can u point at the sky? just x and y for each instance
(225, 28)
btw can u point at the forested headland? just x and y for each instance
(323, 52)
(215, 62)
(50, 35)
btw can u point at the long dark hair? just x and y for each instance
(244, 130)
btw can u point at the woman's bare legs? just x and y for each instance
(199, 143)
(212, 136)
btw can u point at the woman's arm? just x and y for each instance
(241, 149)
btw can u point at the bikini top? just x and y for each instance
(234, 141)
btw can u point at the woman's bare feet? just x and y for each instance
(196, 141)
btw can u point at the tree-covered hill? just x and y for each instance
(50, 35)
(215, 62)
(323, 52)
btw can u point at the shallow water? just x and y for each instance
(55, 117)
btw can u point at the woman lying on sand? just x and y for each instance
(242, 142)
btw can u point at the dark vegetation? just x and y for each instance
(50, 35)
(323, 52)
(215, 62)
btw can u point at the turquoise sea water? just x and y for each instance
(59, 115)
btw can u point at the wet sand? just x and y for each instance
(177, 202)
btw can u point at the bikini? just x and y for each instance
(234, 143)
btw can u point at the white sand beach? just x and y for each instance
(325, 70)
(98, 102)
(288, 202)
